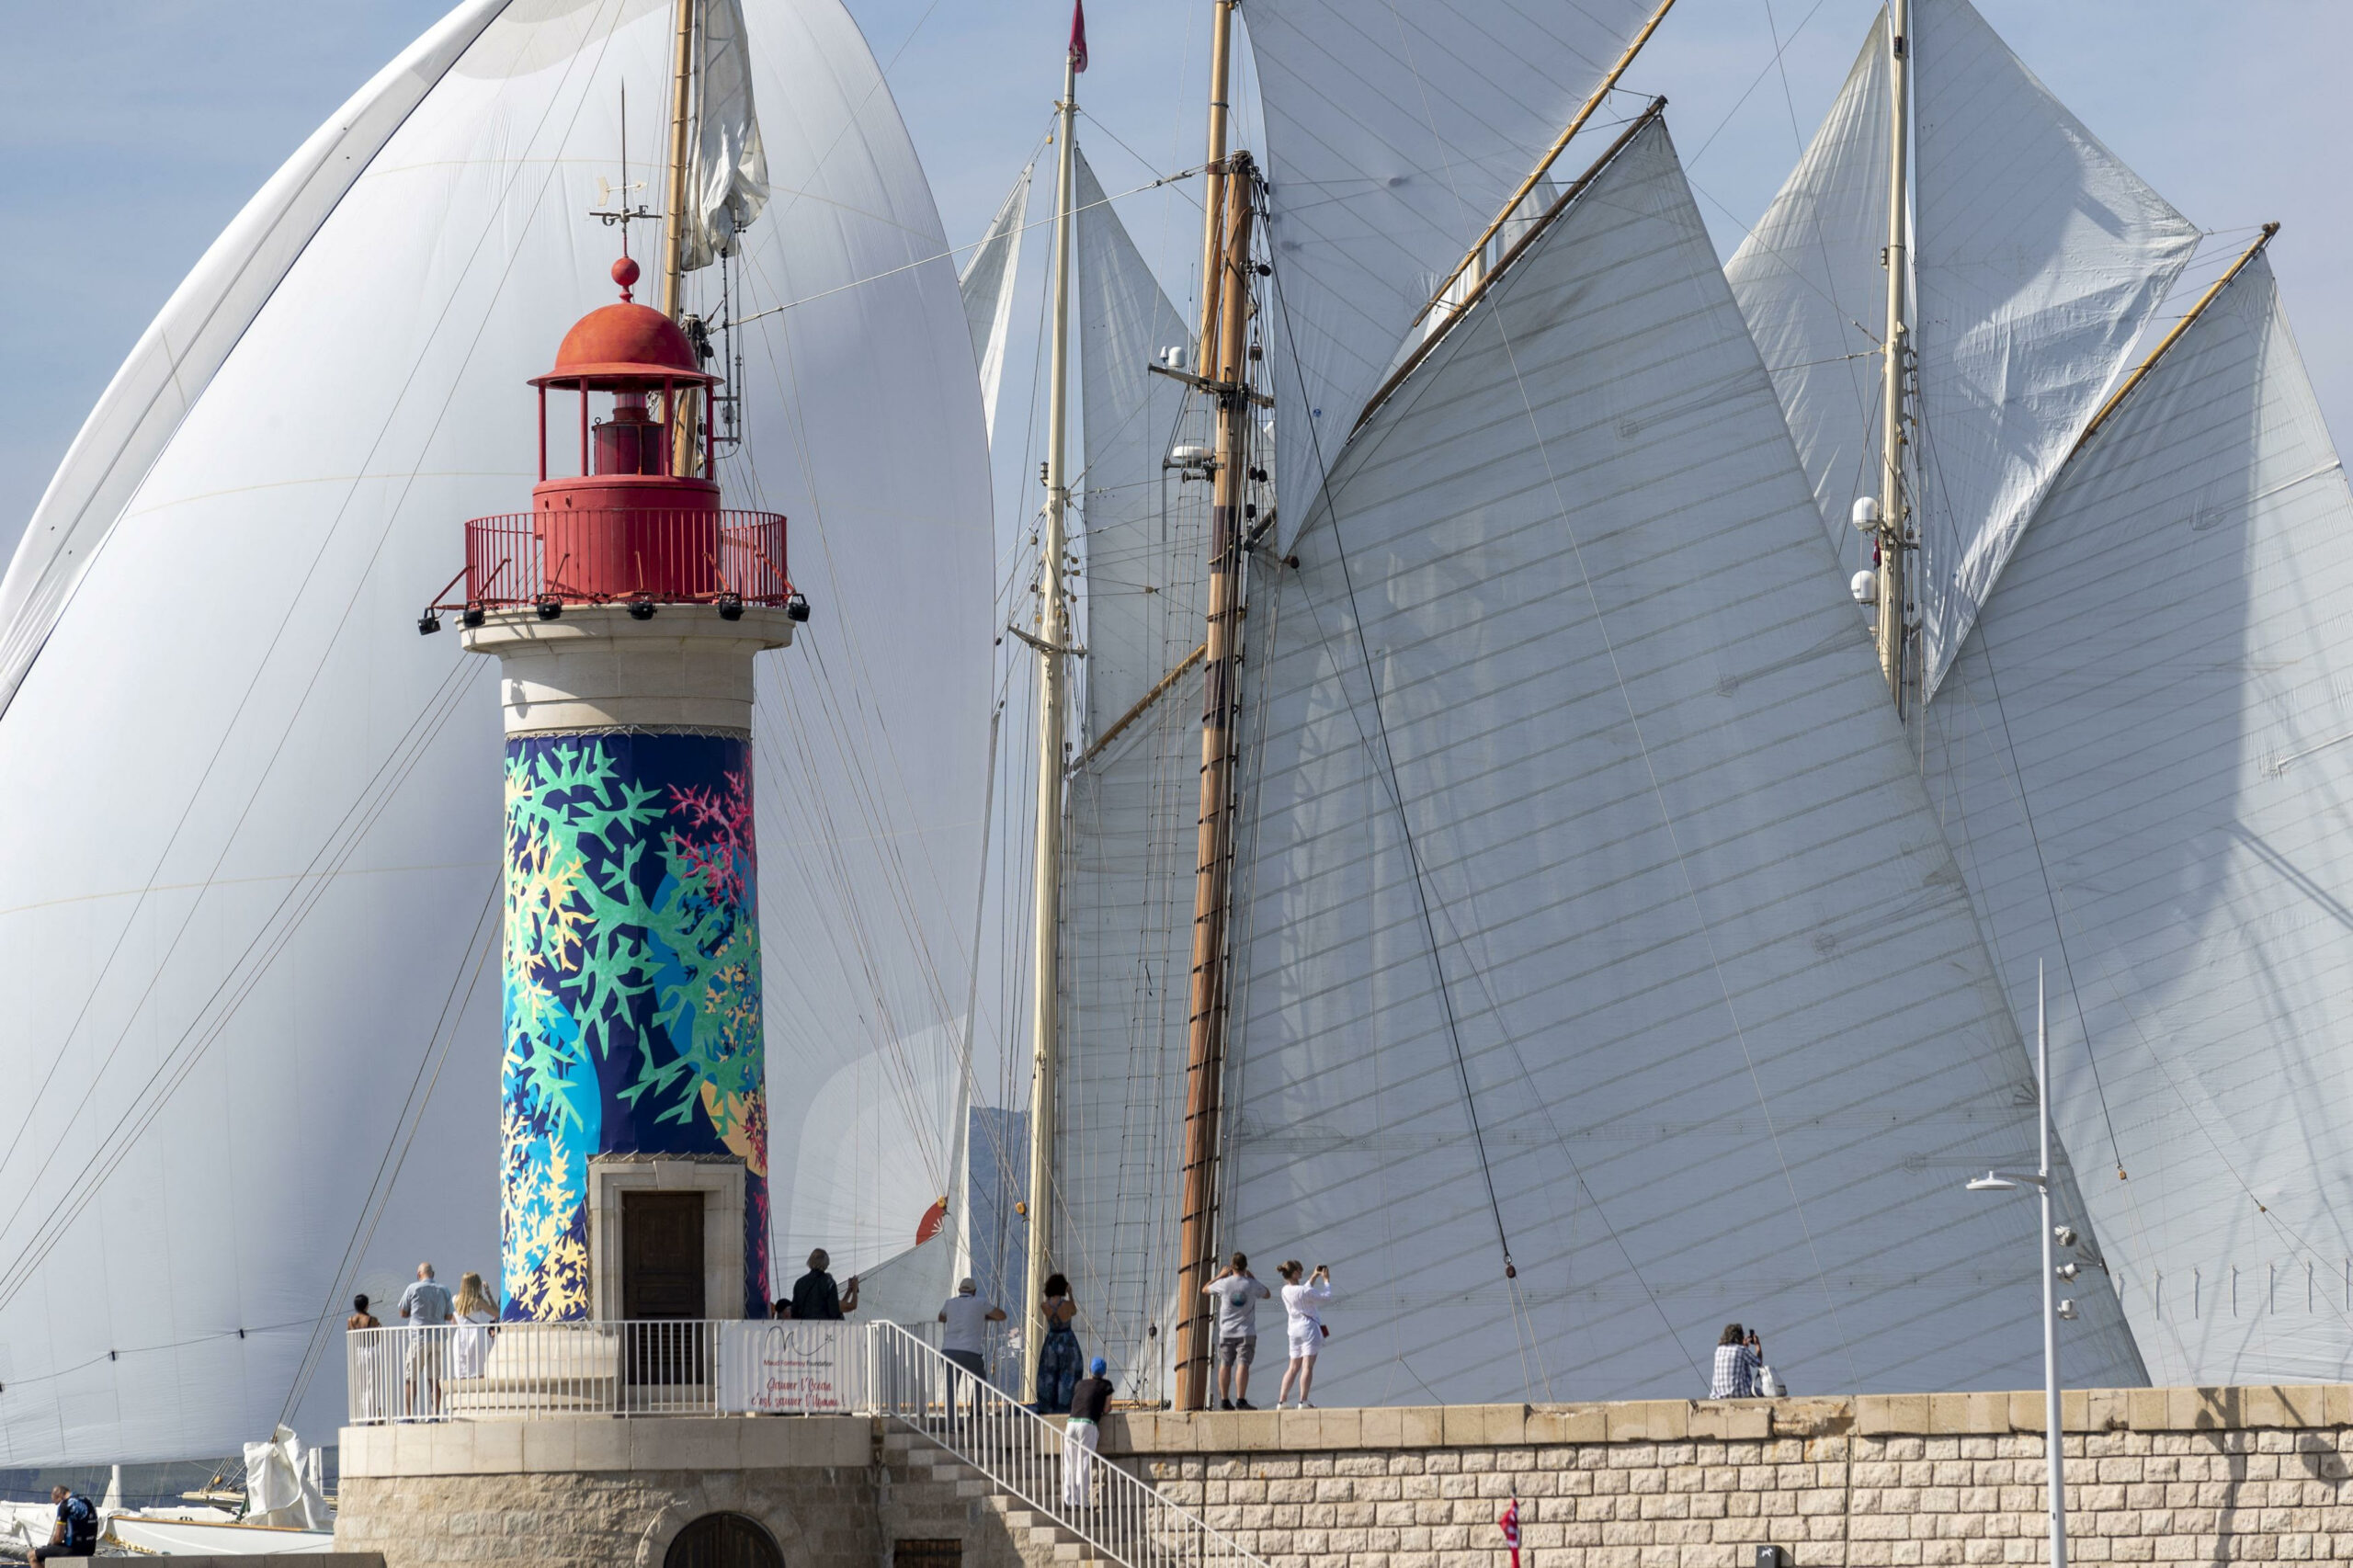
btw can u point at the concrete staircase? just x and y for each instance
(933, 1492)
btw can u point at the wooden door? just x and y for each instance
(662, 1277)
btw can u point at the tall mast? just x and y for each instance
(1053, 645)
(674, 200)
(1894, 505)
(1226, 295)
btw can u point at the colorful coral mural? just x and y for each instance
(632, 988)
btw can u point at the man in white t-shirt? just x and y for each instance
(1237, 1293)
(965, 1338)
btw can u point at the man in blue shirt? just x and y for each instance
(426, 1305)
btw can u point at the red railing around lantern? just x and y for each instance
(637, 554)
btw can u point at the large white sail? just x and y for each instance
(2142, 760)
(1394, 136)
(1133, 802)
(197, 326)
(1809, 279)
(254, 816)
(2039, 257)
(1591, 909)
(986, 285)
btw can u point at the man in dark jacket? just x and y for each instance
(815, 1299)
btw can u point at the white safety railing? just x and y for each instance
(1047, 1467)
(656, 1367)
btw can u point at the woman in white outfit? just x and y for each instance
(1303, 1301)
(474, 1316)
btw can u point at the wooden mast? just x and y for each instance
(1895, 501)
(1226, 370)
(1053, 645)
(1511, 204)
(674, 200)
(686, 445)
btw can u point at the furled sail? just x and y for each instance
(2142, 759)
(248, 876)
(1591, 910)
(729, 175)
(1809, 281)
(197, 326)
(1133, 801)
(987, 288)
(2039, 257)
(1394, 133)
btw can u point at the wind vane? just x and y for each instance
(612, 202)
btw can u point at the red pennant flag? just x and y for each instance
(1078, 35)
(1510, 1523)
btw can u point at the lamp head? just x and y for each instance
(1989, 1182)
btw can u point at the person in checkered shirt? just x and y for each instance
(1740, 1358)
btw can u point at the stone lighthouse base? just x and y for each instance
(831, 1491)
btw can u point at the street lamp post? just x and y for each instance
(2053, 1444)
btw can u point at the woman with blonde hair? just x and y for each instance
(474, 1313)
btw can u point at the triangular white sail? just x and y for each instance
(1394, 136)
(2143, 758)
(1589, 894)
(987, 288)
(248, 871)
(2039, 257)
(175, 359)
(728, 175)
(1133, 802)
(1809, 279)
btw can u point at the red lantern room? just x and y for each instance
(632, 523)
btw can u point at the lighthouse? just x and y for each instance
(625, 609)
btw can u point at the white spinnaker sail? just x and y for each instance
(1394, 136)
(2039, 257)
(728, 177)
(2142, 761)
(1563, 657)
(1809, 279)
(987, 288)
(240, 667)
(197, 326)
(1133, 804)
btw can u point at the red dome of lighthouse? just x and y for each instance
(625, 343)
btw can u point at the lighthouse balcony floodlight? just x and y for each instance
(474, 614)
(730, 606)
(429, 623)
(640, 610)
(796, 609)
(549, 607)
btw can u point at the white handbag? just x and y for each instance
(1768, 1385)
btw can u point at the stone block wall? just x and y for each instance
(2168, 1476)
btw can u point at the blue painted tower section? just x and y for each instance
(632, 989)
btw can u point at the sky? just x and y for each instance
(133, 130)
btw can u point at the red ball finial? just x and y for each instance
(625, 274)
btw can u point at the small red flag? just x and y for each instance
(1078, 35)
(1510, 1523)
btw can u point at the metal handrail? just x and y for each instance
(651, 555)
(1024, 1454)
(511, 1371)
